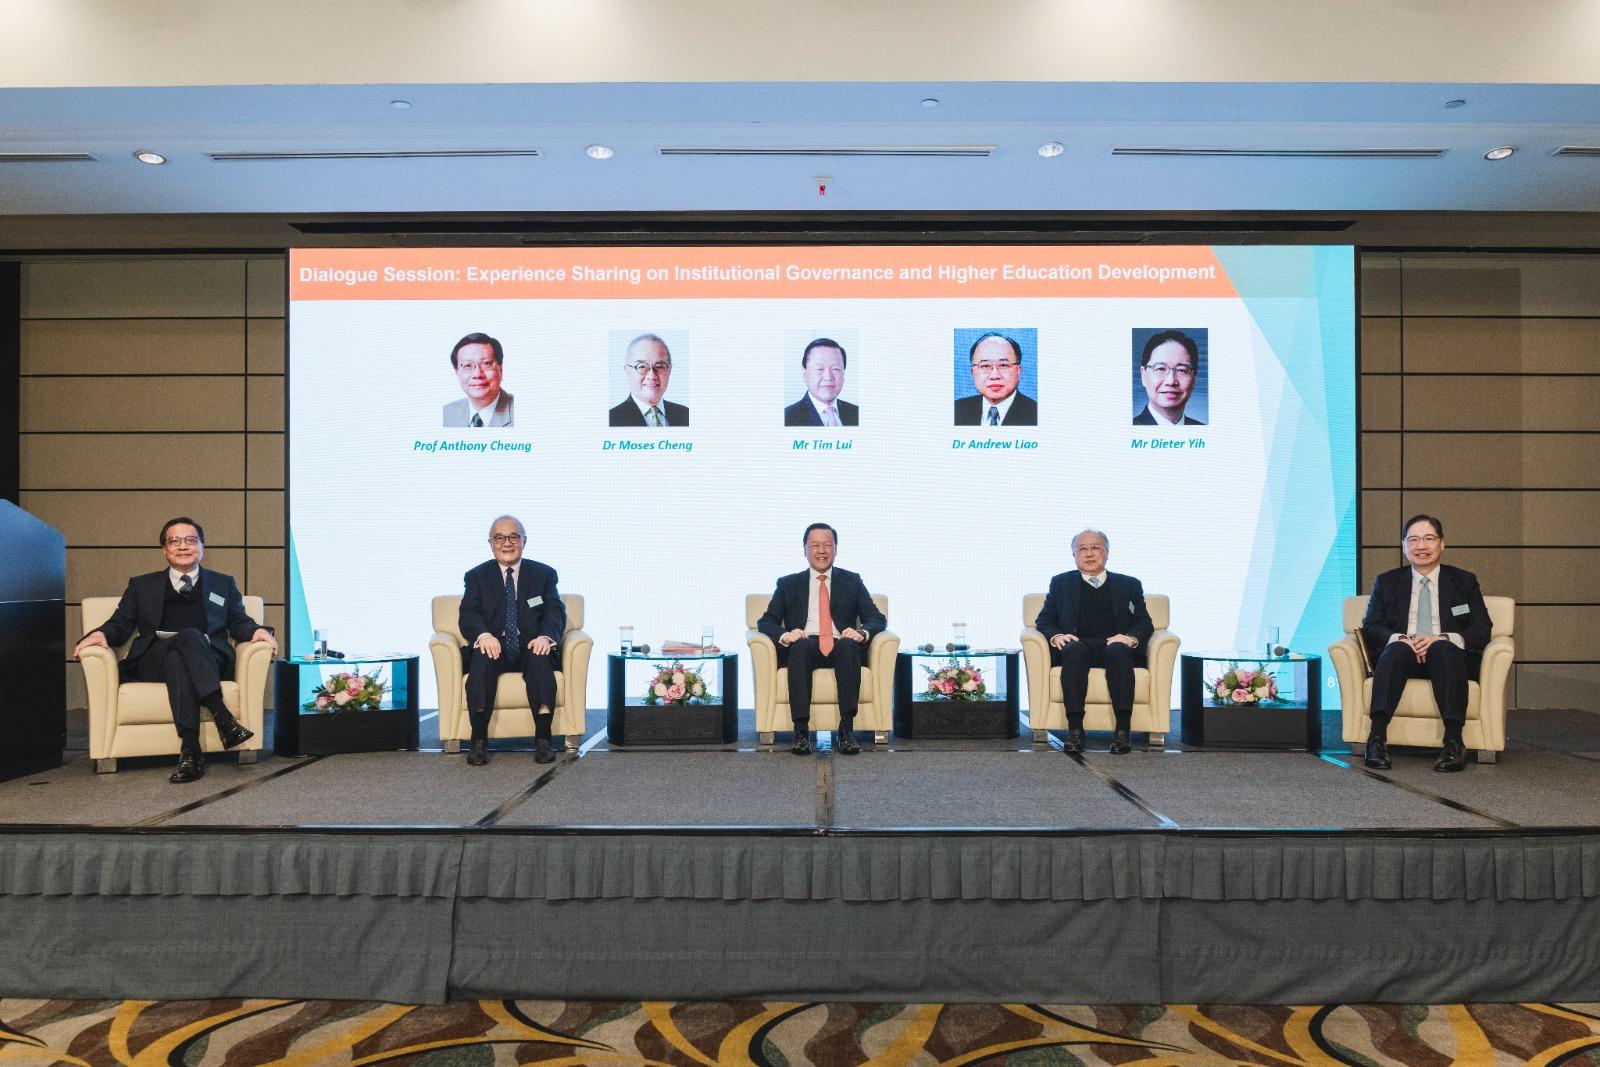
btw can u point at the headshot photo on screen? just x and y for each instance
(817, 370)
(996, 376)
(479, 362)
(644, 370)
(1169, 377)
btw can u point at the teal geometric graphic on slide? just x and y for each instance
(299, 618)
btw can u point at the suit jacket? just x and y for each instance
(804, 413)
(459, 412)
(1144, 418)
(138, 615)
(848, 601)
(483, 603)
(627, 413)
(1389, 611)
(1060, 612)
(1023, 411)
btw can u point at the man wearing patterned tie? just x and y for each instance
(648, 366)
(822, 364)
(822, 617)
(512, 619)
(180, 620)
(1429, 621)
(1093, 617)
(996, 363)
(479, 360)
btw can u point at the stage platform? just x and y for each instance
(983, 870)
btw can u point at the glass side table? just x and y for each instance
(298, 732)
(1290, 720)
(919, 712)
(631, 719)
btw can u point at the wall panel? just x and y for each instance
(133, 346)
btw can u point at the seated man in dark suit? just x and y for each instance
(996, 362)
(1429, 621)
(1168, 367)
(822, 617)
(180, 620)
(823, 364)
(513, 620)
(648, 365)
(1095, 618)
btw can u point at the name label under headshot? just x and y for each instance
(625, 445)
(980, 444)
(822, 444)
(1155, 444)
(438, 445)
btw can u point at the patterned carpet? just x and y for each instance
(489, 1033)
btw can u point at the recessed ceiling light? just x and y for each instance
(1502, 152)
(930, 101)
(1458, 102)
(400, 105)
(144, 155)
(1051, 149)
(599, 151)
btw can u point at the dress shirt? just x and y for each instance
(823, 409)
(813, 621)
(1003, 408)
(1162, 420)
(644, 409)
(1433, 596)
(486, 412)
(175, 576)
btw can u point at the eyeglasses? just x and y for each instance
(1089, 550)
(986, 369)
(1161, 370)
(473, 368)
(641, 369)
(1425, 539)
(181, 542)
(506, 539)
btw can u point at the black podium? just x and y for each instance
(33, 625)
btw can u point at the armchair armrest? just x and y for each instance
(764, 663)
(1036, 665)
(881, 653)
(252, 663)
(1161, 656)
(1347, 663)
(1492, 675)
(101, 680)
(576, 649)
(447, 673)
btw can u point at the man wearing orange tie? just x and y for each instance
(822, 617)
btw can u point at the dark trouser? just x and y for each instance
(1445, 668)
(483, 678)
(192, 671)
(805, 656)
(1080, 657)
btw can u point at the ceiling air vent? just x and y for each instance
(919, 151)
(46, 157)
(1579, 150)
(462, 153)
(1281, 153)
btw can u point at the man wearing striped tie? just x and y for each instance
(647, 364)
(1429, 621)
(822, 364)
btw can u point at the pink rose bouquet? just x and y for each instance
(677, 684)
(1244, 685)
(959, 680)
(348, 691)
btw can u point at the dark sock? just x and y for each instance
(541, 726)
(1452, 732)
(802, 727)
(219, 711)
(1124, 719)
(480, 725)
(1074, 722)
(188, 742)
(1380, 731)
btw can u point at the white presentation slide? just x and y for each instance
(966, 412)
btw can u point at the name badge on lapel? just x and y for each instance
(535, 601)
(1460, 609)
(218, 601)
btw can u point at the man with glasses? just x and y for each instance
(479, 361)
(648, 366)
(180, 620)
(822, 364)
(1095, 618)
(1168, 367)
(1429, 621)
(513, 620)
(996, 362)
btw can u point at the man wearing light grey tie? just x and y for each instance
(822, 365)
(479, 361)
(648, 365)
(1429, 621)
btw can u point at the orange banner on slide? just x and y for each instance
(844, 272)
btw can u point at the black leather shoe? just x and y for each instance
(542, 752)
(191, 768)
(1377, 756)
(1074, 741)
(1120, 745)
(234, 734)
(802, 745)
(844, 743)
(1452, 757)
(478, 754)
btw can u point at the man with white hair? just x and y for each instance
(513, 620)
(1095, 618)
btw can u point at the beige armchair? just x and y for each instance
(876, 710)
(512, 717)
(1152, 684)
(134, 718)
(1416, 721)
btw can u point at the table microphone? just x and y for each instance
(928, 647)
(641, 650)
